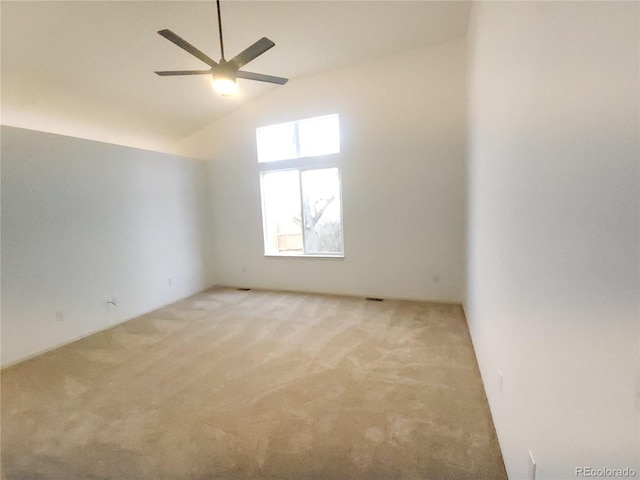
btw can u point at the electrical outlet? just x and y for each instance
(532, 467)
(170, 281)
(60, 315)
(500, 381)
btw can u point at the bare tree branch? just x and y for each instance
(315, 217)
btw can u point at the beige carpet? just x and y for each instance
(257, 385)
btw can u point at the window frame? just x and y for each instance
(301, 164)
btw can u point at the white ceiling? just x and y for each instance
(91, 63)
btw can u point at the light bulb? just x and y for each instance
(225, 86)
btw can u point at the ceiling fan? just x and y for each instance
(224, 72)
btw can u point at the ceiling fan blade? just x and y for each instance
(252, 52)
(182, 43)
(261, 78)
(182, 72)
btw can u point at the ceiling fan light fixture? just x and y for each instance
(224, 79)
(225, 86)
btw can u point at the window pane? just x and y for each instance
(319, 136)
(277, 142)
(281, 212)
(322, 211)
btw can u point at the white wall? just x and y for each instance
(84, 221)
(402, 163)
(553, 226)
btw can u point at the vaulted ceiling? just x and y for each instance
(88, 65)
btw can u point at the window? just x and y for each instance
(306, 138)
(300, 182)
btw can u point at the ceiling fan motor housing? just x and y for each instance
(224, 70)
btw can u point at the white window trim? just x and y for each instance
(331, 160)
